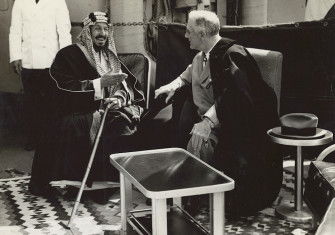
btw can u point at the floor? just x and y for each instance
(12, 139)
(14, 158)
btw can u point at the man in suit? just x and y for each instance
(225, 120)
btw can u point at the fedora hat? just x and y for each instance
(298, 126)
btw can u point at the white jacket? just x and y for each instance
(38, 31)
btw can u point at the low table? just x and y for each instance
(169, 173)
(298, 213)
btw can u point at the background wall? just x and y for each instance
(262, 12)
(128, 38)
(9, 82)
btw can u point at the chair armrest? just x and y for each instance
(325, 152)
(139, 65)
(156, 106)
(159, 103)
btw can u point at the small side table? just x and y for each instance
(299, 213)
(169, 173)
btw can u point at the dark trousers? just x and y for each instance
(37, 86)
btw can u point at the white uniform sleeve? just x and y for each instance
(63, 24)
(15, 32)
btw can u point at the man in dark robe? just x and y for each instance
(225, 120)
(87, 77)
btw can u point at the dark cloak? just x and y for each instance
(64, 152)
(246, 108)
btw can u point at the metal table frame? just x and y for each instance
(299, 213)
(159, 208)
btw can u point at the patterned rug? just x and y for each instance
(23, 213)
(266, 221)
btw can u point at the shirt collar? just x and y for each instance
(207, 54)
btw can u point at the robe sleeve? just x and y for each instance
(77, 94)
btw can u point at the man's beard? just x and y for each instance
(98, 47)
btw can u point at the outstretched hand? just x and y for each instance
(167, 89)
(112, 79)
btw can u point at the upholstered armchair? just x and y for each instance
(270, 65)
(159, 129)
(139, 65)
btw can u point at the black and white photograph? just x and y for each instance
(167, 117)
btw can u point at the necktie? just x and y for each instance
(204, 61)
(36, 1)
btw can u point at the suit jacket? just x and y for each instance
(199, 78)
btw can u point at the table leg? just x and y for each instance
(298, 180)
(126, 197)
(298, 213)
(159, 217)
(217, 216)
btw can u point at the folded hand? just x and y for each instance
(167, 89)
(200, 134)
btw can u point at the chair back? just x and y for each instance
(138, 65)
(270, 65)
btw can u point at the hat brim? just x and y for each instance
(320, 133)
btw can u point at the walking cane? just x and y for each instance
(96, 142)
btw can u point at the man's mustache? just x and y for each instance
(100, 37)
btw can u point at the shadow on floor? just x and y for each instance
(13, 157)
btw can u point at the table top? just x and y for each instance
(325, 139)
(171, 172)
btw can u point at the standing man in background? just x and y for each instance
(39, 28)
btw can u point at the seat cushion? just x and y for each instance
(320, 187)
